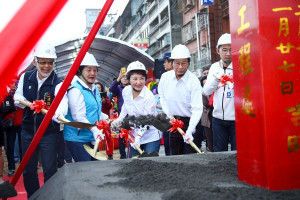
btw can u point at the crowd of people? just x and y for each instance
(204, 105)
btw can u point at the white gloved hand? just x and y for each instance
(188, 137)
(136, 142)
(55, 116)
(96, 132)
(116, 124)
(18, 104)
(104, 117)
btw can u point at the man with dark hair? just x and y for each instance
(223, 122)
(168, 66)
(167, 61)
(180, 96)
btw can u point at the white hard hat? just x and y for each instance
(89, 60)
(180, 51)
(136, 65)
(45, 51)
(224, 39)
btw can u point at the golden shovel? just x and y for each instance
(94, 152)
(135, 146)
(61, 119)
(189, 141)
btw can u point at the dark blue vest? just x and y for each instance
(31, 122)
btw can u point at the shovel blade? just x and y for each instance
(97, 155)
(79, 124)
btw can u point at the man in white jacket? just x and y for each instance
(223, 122)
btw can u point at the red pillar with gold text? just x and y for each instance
(265, 56)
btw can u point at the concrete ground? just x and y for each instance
(194, 176)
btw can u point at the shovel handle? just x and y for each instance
(189, 141)
(96, 146)
(138, 149)
(44, 111)
(135, 146)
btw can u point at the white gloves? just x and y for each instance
(188, 136)
(136, 142)
(17, 103)
(104, 117)
(138, 137)
(96, 132)
(55, 116)
(116, 124)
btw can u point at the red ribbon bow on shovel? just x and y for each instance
(224, 78)
(37, 106)
(124, 133)
(103, 125)
(175, 123)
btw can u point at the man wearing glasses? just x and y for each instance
(223, 122)
(39, 84)
(180, 96)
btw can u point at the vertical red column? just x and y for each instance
(266, 51)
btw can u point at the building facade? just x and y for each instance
(162, 24)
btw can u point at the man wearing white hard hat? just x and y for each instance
(139, 100)
(223, 122)
(39, 84)
(84, 105)
(180, 96)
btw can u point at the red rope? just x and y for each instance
(40, 132)
(21, 34)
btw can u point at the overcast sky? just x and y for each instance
(69, 24)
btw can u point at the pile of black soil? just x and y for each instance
(145, 155)
(215, 180)
(161, 122)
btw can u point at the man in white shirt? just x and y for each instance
(223, 122)
(168, 66)
(180, 96)
(39, 84)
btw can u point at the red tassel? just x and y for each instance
(211, 99)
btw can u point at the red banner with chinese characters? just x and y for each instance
(265, 56)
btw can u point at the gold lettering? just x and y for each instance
(293, 143)
(281, 9)
(244, 59)
(286, 66)
(243, 25)
(299, 28)
(285, 49)
(284, 26)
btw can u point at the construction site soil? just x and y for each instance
(198, 176)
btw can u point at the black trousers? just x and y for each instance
(177, 144)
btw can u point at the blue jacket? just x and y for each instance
(116, 89)
(93, 111)
(31, 122)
